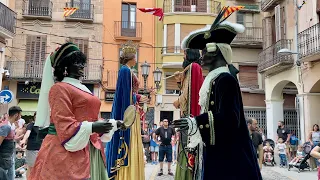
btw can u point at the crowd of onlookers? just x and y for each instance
(19, 144)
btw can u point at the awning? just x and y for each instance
(28, 107)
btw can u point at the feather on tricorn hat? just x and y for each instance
(221, 31)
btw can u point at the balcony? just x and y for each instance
(112, 77)
(268, 5)
(270, 62)
(37, 10)
(84, 13)
(252, 37)
(309, 43)
(24, 70)
(126, 30)
(192, 6)
(7, 22)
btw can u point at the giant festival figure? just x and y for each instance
(124, 153)
(222, 117)
(189, 82)
(72, 148)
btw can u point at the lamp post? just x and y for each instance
(145, 67)
(157, 78)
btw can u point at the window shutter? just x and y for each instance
(201, 5)
(36, 48)
(283, 23)
(240, 18)
(278, 18)
(83, 45)
(267, 32)
(248, 75)
(171, 84)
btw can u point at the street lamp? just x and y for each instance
(157, 77)
(145, 73)
(286, 52)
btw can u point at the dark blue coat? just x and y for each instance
(232, 157)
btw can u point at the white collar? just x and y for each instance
(204, 91)
(76, 83)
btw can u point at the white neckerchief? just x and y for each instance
(204, 91)
(76, 83)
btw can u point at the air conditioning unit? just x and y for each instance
(193, 8)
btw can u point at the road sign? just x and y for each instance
(6, 96)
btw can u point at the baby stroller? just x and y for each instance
(271, 160)
(303, 164)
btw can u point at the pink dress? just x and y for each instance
(70, 106)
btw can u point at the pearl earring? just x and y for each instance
(65, 71)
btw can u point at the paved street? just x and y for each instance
(268, 173)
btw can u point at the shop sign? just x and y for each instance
(109, 95)
(28, 91)
(32, 90)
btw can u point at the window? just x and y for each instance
(248, 76)
(36, 48)
(128, 20)
(35, 55)
(106, 115)
(136, 67)
(171, 86)
(245, 18)
(82, 43)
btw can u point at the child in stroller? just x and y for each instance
(267, 152)
(302, 163)
(268, 149)
(299, 157)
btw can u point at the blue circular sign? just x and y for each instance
(6, 96)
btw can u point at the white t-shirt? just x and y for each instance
(282, 148)
(21, 122)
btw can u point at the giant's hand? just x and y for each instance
(102, 126)
(181, 124)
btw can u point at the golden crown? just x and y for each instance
(129, 47)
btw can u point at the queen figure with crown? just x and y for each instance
(124, 153)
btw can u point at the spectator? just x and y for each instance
(33, 143)
(300, 155)
(154, 147)
(20, 164)
(282, 152)
(262, 134)
(174, 149)
(294, 141)
(146, 141)
(165, 133)
(284, 133)
(314, 139)
(256, 139)
(7, 141)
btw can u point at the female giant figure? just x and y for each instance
(72, 149)
(125, 160)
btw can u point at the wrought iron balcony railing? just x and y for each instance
(35, 9)
(270, 58)
(250, 35)
(34, 70)
(128, 29)
(112, 77)
(7, 20)
(309, 42)
(85, 11)
(187, 6)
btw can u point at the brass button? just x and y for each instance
(207, 126)
(201, 126)
(212, 103)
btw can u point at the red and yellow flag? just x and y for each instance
(69, 11)
(231, 10)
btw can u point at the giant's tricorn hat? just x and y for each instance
(221, 31)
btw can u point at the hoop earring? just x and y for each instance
(65, 71)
